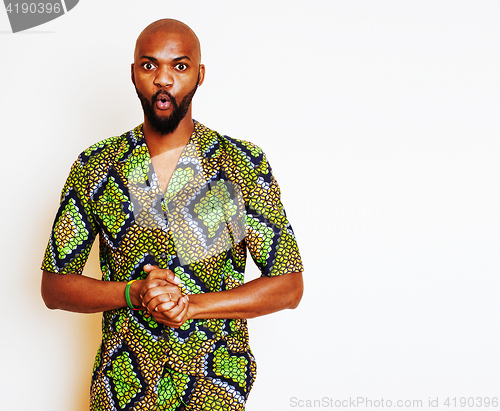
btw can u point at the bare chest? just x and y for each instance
(165, 164)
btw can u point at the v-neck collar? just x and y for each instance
(200, 154)
(204, 140)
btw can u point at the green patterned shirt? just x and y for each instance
(222, 199)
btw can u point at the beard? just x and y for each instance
(166, 125)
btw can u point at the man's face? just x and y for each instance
(165, 124)
(166, 73)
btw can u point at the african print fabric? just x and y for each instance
(222, 199)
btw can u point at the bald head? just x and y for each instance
(167, 28)
(166, 72)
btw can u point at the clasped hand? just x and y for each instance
(163, 298)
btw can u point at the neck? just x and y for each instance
(160, 143)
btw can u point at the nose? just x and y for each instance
(163, 77)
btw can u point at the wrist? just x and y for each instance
(134, 293)
(193, 306)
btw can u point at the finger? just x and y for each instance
(164, 274)
(181, 318)
(174, 323)
(150, 284)
(172, 278)
(155, 272)
(149, 267)
(175, 313)
(163, 307)
(160, 298)
(173, 292)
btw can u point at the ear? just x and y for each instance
(132, 73)
(201, 74)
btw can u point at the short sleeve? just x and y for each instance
(270, 238)
(74, 229)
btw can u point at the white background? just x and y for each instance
(381, 121)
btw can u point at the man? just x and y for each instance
(175, 205)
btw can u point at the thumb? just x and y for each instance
(148, 268)
(163, 274)
(172, 278)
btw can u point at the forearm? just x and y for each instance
(261, 296)
(78, 293)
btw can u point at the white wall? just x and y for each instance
(380, 119)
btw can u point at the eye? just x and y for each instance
(181, 66)
(148, 65)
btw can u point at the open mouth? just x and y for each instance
(163, 102)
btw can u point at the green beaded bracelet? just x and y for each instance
(127, 296)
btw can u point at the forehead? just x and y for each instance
(167, 44)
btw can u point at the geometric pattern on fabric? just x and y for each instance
(126, 386)
(72, 235)
(207, 216)
(221, 201)
(113, 209)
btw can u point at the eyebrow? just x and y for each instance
(151, 58)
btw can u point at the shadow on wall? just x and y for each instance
(91, 337)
